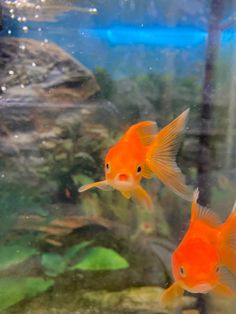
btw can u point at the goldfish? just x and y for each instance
(143, 152)
(205, 260)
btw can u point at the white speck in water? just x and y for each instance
(25, 29)
(16, 136)
(22, 85)
(22, 46)
(24, 19)
(39, 29)
(12, 16)
(19, 19)
(3, 175)
(38, 7)
(150, 68)
(142, 25)
(36, 16)
(11, 11)
(3, 88)
(11, 72)
(46, 40)
(33, 64)
(93, 10)
(43, 1)
(9, 32)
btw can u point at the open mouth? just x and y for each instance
(123, 181)
(201, 288)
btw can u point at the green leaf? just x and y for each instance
(81, 179)
(15, 289)
(67, 144)
(100, 258)
(54, 264)
(73, 250)
(14, 254)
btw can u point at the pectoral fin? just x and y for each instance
(103, 185)
(171, 295)
(143, 198)
(126, 194)
(223, 290)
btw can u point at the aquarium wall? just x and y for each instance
(75, 75)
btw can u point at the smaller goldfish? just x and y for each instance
(205, 260)
(141, 153)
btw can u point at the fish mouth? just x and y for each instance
(123, 182)
(201, 288)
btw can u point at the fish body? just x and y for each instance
(143, 152)
(205, 260)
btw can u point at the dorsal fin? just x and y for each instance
(146, 131)
(199, 212)
(234, 208)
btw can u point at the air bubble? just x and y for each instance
(25, 29)
(11, 72)
(3, 88)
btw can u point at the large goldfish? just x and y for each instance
(205, 260)
(142, 152)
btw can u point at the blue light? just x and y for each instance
(159, 36)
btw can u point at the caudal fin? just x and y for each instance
(227, 240)
(161, 156)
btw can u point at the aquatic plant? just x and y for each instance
(92, 258)
(105, 82)
(15, 289)
(12, 255)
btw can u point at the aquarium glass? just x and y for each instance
(89, 224)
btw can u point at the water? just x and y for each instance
(74, 77)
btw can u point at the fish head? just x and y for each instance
(123, 168)
(195, 265)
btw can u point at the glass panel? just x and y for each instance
(96, 218)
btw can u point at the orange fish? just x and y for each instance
(142, 152)
(205, 260)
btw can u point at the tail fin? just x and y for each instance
(161, 156)
(227, 240)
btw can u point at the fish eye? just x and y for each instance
(108, 167)
(217, 269)
(139, 169)
(182, 271)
